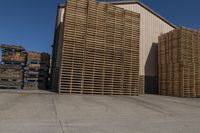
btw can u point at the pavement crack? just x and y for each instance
(54, 107)
(56, 114)
(61, 126)
(148, 105)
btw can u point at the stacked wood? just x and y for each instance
(11, 67)
(36, 72)
(38, 57)
(100, 53)
(179, 54)
(12, 54)
(14, 47)
(11, 76)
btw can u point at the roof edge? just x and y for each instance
(61, 5)
(146, 7)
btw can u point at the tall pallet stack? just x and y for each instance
(11, 67)
(36, 72)
(179, 63)
(100, 53)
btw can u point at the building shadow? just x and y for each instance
(56, 58)
(151, 71)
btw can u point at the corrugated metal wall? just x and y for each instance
(151, 27)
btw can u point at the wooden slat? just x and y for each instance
(178, 63)
(100, 49)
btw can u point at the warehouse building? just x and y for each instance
(152, 25)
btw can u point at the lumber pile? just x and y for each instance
(100, 52)
(179, 63)
(12, 54)
(21, 70)
(11, 67)
(36, 72)
(11, 76)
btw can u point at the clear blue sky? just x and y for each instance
(31, 23)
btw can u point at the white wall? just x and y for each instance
(60, 21)
(151, 27)
(60, 17)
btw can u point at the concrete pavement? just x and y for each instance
(53, 113)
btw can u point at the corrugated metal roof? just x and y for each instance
(119, 2)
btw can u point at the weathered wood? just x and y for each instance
(38, 57)
(13, 53)
(36, 71)
(100, 52)
(178, 63)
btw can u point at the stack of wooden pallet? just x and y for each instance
(179, 54)
(11, 67)
(12, 54)
(11, 76)
(100, 49)
(36, 72)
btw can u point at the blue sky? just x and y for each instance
(31, 23)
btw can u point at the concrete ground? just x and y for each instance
(53, 113)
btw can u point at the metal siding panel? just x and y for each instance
(151, 28)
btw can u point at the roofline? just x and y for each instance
(61, 5)
(58, 7)
(144, 6)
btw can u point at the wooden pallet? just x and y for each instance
(178, 63)
(35, 86)
(37, 58)
(10, 82)
(100, 52)
(10, 87)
